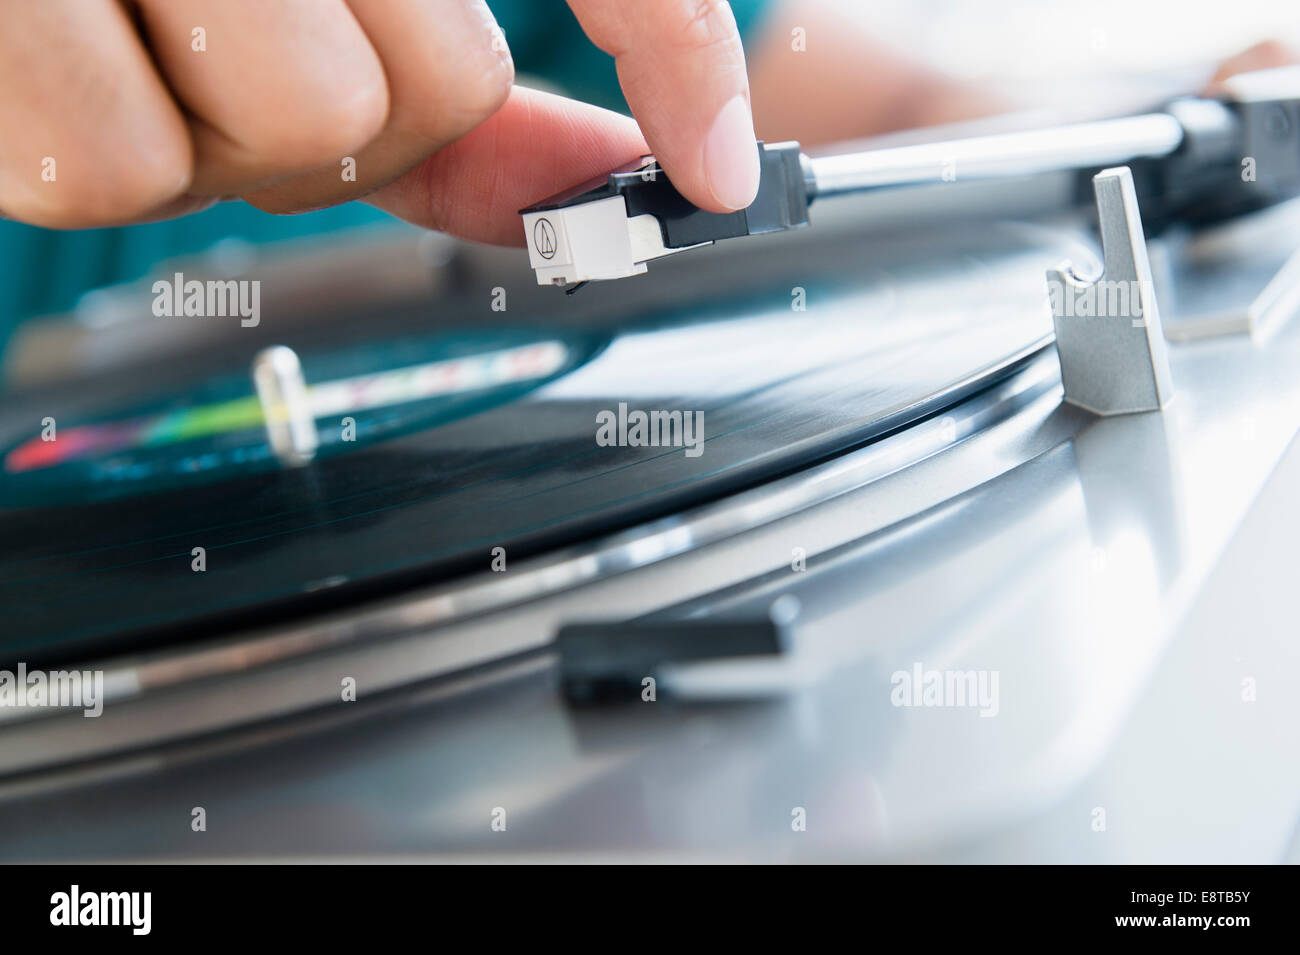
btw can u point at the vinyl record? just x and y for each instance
(168, 518)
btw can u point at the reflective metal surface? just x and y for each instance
(1109, 335)
(1033, 374)
(1122, 576)
(1005, 155)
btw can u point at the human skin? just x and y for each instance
(118, 111)
(416, 99)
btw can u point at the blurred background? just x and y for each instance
(1019, 41)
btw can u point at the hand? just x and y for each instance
(117, 111)
(1261, 56)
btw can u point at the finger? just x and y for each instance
(88, 134)
(448, 69)
(536, 145)
(272, 86)
(1261, 56)
(683, 71)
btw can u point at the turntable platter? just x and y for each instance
(437, 449)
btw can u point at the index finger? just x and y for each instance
(682, 68)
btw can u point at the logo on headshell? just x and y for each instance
(544, 238)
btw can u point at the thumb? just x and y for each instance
(534, 146)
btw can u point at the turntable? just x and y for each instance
(839, 542)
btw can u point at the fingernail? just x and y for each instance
(731, 156)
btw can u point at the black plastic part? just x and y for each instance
(607, 662)
(782, 201)
(1219, 173)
